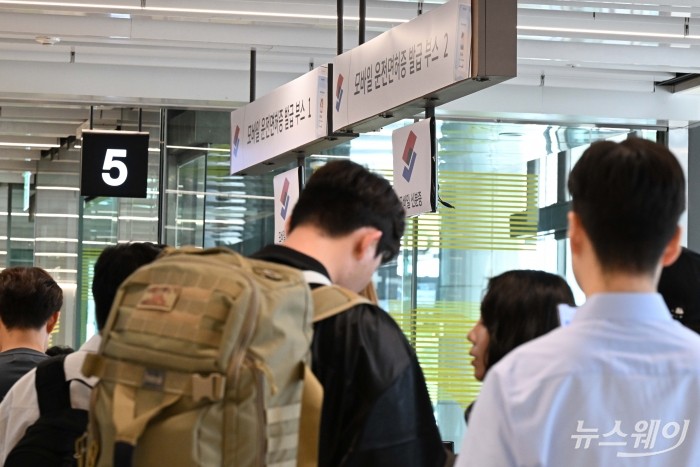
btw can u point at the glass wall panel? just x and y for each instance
(185, 190)
(205, 206)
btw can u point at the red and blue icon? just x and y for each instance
(339, 92)
(236, 140)
(409, 156)
(284, 199)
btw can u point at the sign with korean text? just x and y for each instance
(413, 167)
(291, 116)
(286, 189)
(405, 63)
(114, 163)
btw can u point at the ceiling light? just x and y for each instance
(28, 145)
(47, 40)
(266, 14)
(195, 148)
(57, 255)
(602, 32)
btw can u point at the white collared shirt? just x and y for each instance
(620, 386)
(20, 408)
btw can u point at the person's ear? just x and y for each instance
(368, 239)
(287, 223)
(673, 249)
(52, 322)
(575, 232)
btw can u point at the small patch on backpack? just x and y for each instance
(268, 274)
(153, 378)
(159, 297)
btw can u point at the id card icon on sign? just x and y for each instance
(409, 156)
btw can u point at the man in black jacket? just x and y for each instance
(376, 408)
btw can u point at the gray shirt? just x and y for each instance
(14, 363)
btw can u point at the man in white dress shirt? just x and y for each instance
(20, 409)
(619, 386)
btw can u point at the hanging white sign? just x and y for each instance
(289, 117)
(413, 173)
(403, 64)
(286, 190)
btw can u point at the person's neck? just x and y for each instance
(23, 339)
(622, 283)
(328, 251)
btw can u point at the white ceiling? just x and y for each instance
(588, 61)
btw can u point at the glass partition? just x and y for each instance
(205, 206)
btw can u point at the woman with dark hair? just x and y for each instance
(519, 306)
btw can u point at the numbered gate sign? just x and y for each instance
(114, 163)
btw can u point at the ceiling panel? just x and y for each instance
(57, 57)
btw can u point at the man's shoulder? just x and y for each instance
(558, 344)
(572, 349)
(23, 391)
(73, 365)
(368, 327)
(16, 362)
(366, 316)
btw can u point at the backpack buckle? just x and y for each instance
(209, 387)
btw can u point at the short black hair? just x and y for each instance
(28, 297)
(115, 264)
(520, 305)
(343, 196)
(629, 197)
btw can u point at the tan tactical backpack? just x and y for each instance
(201, 364)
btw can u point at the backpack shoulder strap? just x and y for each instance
(50, 440)
(53, 393)
(330, 300)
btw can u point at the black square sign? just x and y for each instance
(114, 163)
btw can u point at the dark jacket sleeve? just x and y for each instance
(376, 408)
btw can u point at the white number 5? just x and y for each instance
(110, 163)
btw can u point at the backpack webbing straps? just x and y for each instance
(309, 420)
(129, 426)
(51, 389)
(331, 300)
(194, 385)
